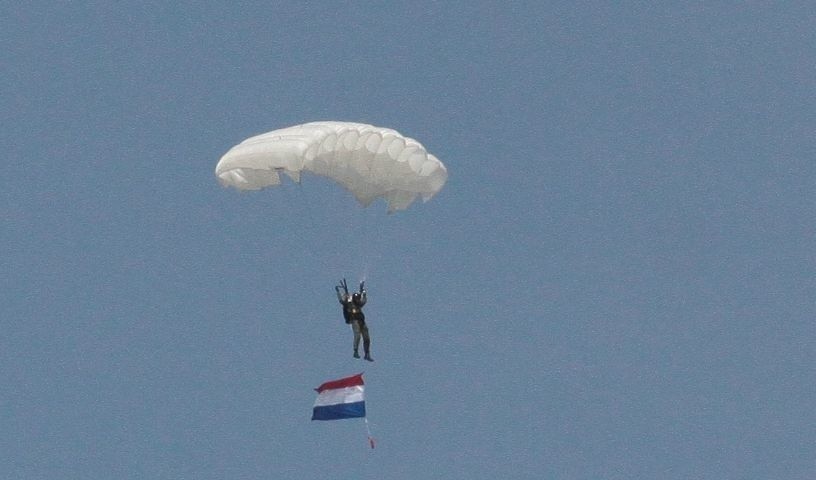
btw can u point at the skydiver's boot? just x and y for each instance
(356, 355)
(366, 343)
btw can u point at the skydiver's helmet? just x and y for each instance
(356, 298)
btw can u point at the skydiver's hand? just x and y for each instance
(362, 286)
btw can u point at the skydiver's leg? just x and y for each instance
(366, 342)
(355, 327)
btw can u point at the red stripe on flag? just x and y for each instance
(351, 381)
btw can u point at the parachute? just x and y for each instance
(370, 162)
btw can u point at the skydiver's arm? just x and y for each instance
(340, 297)
(362, 298)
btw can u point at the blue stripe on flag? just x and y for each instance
(339, 411)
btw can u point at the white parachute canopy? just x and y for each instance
(370, 162)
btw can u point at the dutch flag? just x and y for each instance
(342, 398)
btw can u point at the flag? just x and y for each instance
(342, 398)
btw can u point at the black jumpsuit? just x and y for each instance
(353, 314)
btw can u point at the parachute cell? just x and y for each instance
(370, 162)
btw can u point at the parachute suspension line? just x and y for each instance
(303, 204)
(375, 228)
(372, 238)
(304, 200)
(364, 237)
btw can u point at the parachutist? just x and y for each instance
(353, 315)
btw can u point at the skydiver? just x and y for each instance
(354, 316)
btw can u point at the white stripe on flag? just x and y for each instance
(340, 395)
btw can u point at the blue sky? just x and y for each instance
(617, 281)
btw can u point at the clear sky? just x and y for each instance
(617, 282)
